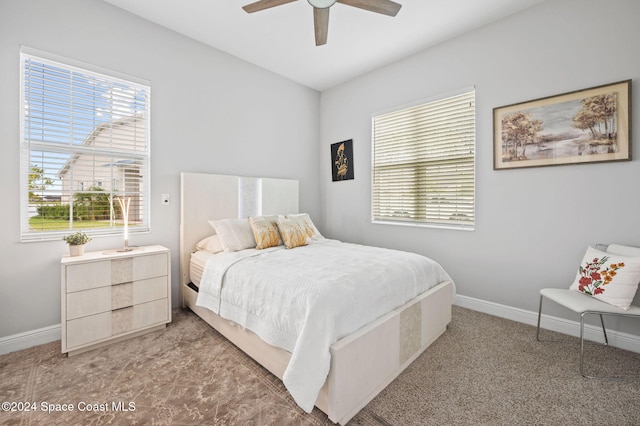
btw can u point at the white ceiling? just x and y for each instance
(281, 39)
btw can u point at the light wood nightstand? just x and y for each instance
(109, 296)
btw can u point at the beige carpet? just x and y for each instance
(483, 371)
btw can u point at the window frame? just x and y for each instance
(453, 224)
(140, 156)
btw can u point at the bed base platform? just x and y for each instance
(363, 363)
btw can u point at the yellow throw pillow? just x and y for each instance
(265, 231)
(305, 221)
(293, 233)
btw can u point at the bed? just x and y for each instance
(361, 358)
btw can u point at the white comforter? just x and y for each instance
(305, 299)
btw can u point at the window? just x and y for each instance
(424, 163)
(84, 144)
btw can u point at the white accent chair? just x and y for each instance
(587, 305)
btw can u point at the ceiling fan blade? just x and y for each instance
(386, 7)
(264, 4)
(321, 25)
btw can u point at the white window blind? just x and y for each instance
(424, 163)
(84, 144)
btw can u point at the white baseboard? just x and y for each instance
(28, 339)
(618, 339)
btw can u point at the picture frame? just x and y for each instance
(584, 126)
(342, 160)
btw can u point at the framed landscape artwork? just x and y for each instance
(584, 126)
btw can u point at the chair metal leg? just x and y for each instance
(606, 343)
(606, 340)
(539, 315)
(604, 330)
(538, 327)
(582, 345)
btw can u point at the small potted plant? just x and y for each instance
(76, 243)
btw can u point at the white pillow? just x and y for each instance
(609, 277)
(211, 244)
(235, 234)
(305, 220)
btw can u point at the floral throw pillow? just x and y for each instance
(611, 278)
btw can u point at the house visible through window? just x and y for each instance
(424, 163)
(84, 144)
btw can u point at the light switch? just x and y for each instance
(166, 198)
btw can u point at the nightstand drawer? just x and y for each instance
(138, 268)
(148, 290)
(84, 276)
(88, 329)
(88, 302)
(139, 316)
(150, 266)
(150, 313)
(90, 275)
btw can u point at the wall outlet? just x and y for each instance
(166, 199)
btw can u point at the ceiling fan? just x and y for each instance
(321, 11)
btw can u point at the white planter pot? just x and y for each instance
(76, 250)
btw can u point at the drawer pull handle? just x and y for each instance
(121, 308)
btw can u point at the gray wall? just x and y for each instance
(210, 112)
(532, 225)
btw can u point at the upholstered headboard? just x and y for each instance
(205, 197)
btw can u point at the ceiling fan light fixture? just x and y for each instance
(321, 11)
(321, 4)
